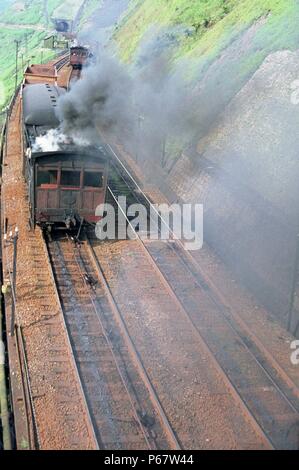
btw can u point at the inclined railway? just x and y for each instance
(223, 336)
(124, 409)
(113, 394)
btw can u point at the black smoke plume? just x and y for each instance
(100, 100)
(154, 111)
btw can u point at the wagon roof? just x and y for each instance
(83, 152)
(39, 104)
(79, 47)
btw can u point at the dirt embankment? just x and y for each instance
(245, 171)
(247, 178)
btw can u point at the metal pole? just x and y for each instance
(294, 284)
(140, 119)
(26, 44)
(17, 54)
(4, 409)
(14, 279)
(79, 231)
(163, 159)
(6, 436)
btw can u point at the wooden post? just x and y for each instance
(14, 280)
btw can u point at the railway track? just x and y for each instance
(268, 397)
(32, 431)
(27, 416)
(49, 403)
(48, 406)
(61, 62)
(123, 406)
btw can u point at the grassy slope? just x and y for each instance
(67, 9)
(90, 7)
(212, 25)
(7, 57)
(32, 15)
(220, 43)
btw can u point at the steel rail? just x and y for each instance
(61, 62)
(36, 435)
(24, 370)
(6, 267)
(220, 309)
(182, 254)
(133, 351)
(246, 411)
(90, 425)
(110, 346)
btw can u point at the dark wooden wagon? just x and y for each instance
(79, 56)
(65, 184)
(68, 186)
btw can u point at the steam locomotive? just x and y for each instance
(66, 182)
(79, 56)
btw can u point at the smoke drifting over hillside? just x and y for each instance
(100, 100)
(145, 109)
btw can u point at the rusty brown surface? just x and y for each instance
(58, 403)
(105, 364)
(258, 322)
(196, 395)
(251, 349)
(199, 406)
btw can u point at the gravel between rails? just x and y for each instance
(198, 405)
(60, 413)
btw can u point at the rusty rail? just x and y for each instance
(291, 403)
(133, 351)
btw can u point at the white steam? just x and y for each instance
(54, 139)
(50, 142)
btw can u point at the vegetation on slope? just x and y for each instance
(30, 51)
(4, 4)
(90, 7)
(67, 9)
(218, 43)
(32, 13)
(208, 26)
(16, 20)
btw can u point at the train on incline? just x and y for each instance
(80, 56)
(66, 182)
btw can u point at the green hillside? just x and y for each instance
(234, 36)
(30, 12)
(30, 51)
(29, 22)
(208, 27)
(219, 45)
(25, 22)
(67, 9)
